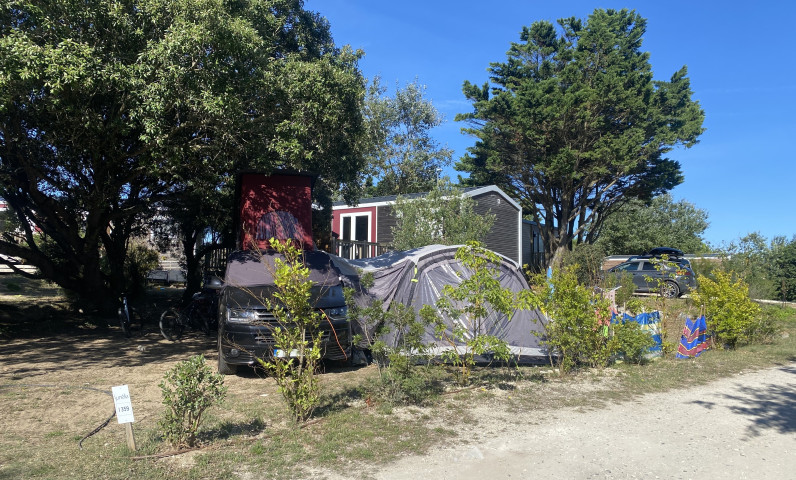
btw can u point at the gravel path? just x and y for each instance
(742, 427)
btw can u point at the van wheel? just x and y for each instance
(670, 289)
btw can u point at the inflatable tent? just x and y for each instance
(416, 278)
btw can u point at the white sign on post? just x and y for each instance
(124, 407)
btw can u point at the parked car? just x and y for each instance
(245, 327)
(671, 277)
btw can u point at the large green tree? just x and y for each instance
(402, 155)
(636, 227)
(108, 109)
(573, 124)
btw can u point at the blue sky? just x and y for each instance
(741, 59)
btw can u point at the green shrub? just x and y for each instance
(443, 216)
(576, 332)
(298, 336)
(731, 315)
(770, 322)
(586, 261)
(189, 389)
(401, 379)
(624, 294)
(141, 259)
(632, 341)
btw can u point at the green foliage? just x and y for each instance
(111, 109)
(632, 341)
(586, 260)
(397, 347)
(705, 266)
(624, 294)
(141, 259)
(573, 124)
(767, 267)
(12, 286)
(751, 258)
(188, 389)
(297, 339)
(577, 330)
(443, 216)
(636, 227)
(731, 315)
(784, 265)
(473, 306)
(402, 156)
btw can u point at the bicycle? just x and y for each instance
(199, 313)
(126, 314)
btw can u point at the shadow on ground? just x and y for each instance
(771, 406)
(47, 334)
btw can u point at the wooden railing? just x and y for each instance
(353, 249)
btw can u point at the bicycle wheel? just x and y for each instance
(124, 319)
(171, 325)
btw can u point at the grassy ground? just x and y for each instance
(51, 358)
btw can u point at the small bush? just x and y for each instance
(632, 341)
(577, 329)
(397, 349)
(586, 261)
(403, 382)
(730, 313)
(624, 294)
(141, 259)
(769, 323)
(298, 336)
(189, 389)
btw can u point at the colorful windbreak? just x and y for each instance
(695, 338)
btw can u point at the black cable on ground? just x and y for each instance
(44, 385)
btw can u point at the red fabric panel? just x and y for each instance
(278, 206)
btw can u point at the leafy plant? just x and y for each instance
(577, 329)
(297, 339)
(586, 260)
(397, 346)
(474, 305)
(731, 315)
(632, 341)
(140, 260)
(624, 294)
(189, 389)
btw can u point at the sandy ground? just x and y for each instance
(742, 427)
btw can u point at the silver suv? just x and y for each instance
(671, 277)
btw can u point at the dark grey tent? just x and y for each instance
(417, 277)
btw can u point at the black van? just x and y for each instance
(245, 324)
